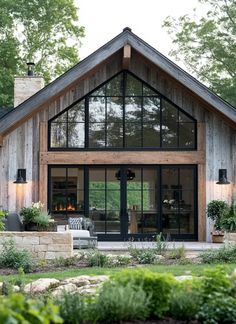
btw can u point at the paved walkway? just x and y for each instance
(189, 246)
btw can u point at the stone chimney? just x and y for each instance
(27, 85)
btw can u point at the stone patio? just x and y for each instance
(189, 246)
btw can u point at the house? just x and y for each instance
(125, 138)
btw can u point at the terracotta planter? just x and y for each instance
(218, 238)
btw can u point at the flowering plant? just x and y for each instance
(35, 214)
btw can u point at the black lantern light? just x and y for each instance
(223, 177)
(21, 176)
(130, 175)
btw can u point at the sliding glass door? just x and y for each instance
(127, 201)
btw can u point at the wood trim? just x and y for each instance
(43, 136)
(126, 56)
(43, 169)
(201, 137)
(201, 142)
(43, 185)
(121, 157)
(201, 202)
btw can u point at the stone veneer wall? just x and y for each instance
(42, 245)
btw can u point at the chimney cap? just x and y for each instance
(127, 28)
(30, 71)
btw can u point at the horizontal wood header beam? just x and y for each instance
(121, 157)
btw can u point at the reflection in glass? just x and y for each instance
(76, 135)
(178, 200)
(76, 113)
(97, 135)
(58, 134)
(133, 86)
(186, 135)
(131, 117)
(97, 111)
(115, 86)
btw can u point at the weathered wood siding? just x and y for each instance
(21, 146)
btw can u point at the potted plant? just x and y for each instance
(36, 219)
(229, 223)
(217, 210)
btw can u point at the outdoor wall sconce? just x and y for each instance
(223, 177)
(21, 176)
(130, 175)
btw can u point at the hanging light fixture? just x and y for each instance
(223, 177)
(21, 176)
(130, 175)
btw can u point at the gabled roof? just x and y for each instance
(4, 111)
(28, 107)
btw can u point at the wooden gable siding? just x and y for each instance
(21, 146)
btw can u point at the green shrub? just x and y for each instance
(97, 259)
(216, 281)
(143, 256)
(177, 253)
(3, 214)
(161, 244)
(225, 254)
(123, 260)
(73, 308)
(14, 258)
(185, 300)
(218, 297)
(156, 285)
(18, 309)
(65, 262)
(218, 308)
(118, 303)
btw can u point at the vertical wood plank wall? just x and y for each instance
(21, 147)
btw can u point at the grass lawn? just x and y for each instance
(177, 270)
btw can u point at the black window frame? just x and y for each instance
(123, 198)
(124, 147)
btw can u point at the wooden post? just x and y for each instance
(202, 183)
(43, 168)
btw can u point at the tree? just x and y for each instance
(46, 32)
(208, 46)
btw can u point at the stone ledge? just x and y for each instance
(42, 245)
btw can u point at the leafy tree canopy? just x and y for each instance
(208, 46)
(45, 32)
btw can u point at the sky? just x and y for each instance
(104, 19)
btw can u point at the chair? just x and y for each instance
(80, 228)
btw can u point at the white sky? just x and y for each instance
(104, 19)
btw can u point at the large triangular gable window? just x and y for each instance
(124, 113)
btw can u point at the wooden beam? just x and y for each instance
(134, 157)
(43, 168)
(201, 143)
(201, 202)
(1, 140)
(126, 56)
(43, 136)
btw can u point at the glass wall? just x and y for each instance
(123, 113)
